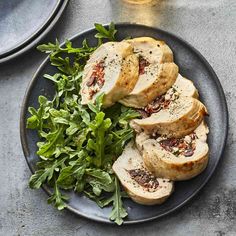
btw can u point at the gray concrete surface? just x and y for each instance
(208, 25)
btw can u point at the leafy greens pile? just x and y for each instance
(78, 144)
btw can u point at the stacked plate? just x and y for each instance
(23, 23)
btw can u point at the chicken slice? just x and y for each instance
(173, 118)
(113, 70)
(157, 72)
(175, 158)
(139, 183)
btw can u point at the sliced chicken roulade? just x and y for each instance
(157, 72)
(175, 158)
(174, 117)
(158, 51)
(183, 87)
(113, 70)
(139, 183)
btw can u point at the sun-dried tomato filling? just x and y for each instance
(161, 102)
(96, 80)
(144, 178)
(142, 64)
(180, 146)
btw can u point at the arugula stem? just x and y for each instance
(100, 141)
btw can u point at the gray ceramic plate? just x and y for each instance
(193, 66)
(24, 22)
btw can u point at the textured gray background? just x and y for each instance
(208, 25)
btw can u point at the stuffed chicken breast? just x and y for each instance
(175, 113)
(113, 70)
(175, 158)
(140, 184)
(173, 118)
(157, 72)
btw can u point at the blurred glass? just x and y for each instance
(147, 12)
(140, 1)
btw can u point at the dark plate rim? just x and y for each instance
(32, 41)
(224, 133)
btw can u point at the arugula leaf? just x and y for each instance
(126, 115)
(38, 116)
(57, 198)
(104, 33)
(40, 176)
(92, 196)
(103, 176)
(66, 179)
(121, 115)
(65, 83)
(54, 49)
(80, 139)
(63, 64)
(43, 175)
(99, 180)
(98, 104)
(46, 149)
(120, 139)
(50, 47)
(83, 52)
(99, 126)
(84, 115)
(118, 211)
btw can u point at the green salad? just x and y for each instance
(78, 144)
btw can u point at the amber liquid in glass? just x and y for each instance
(139, 1)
